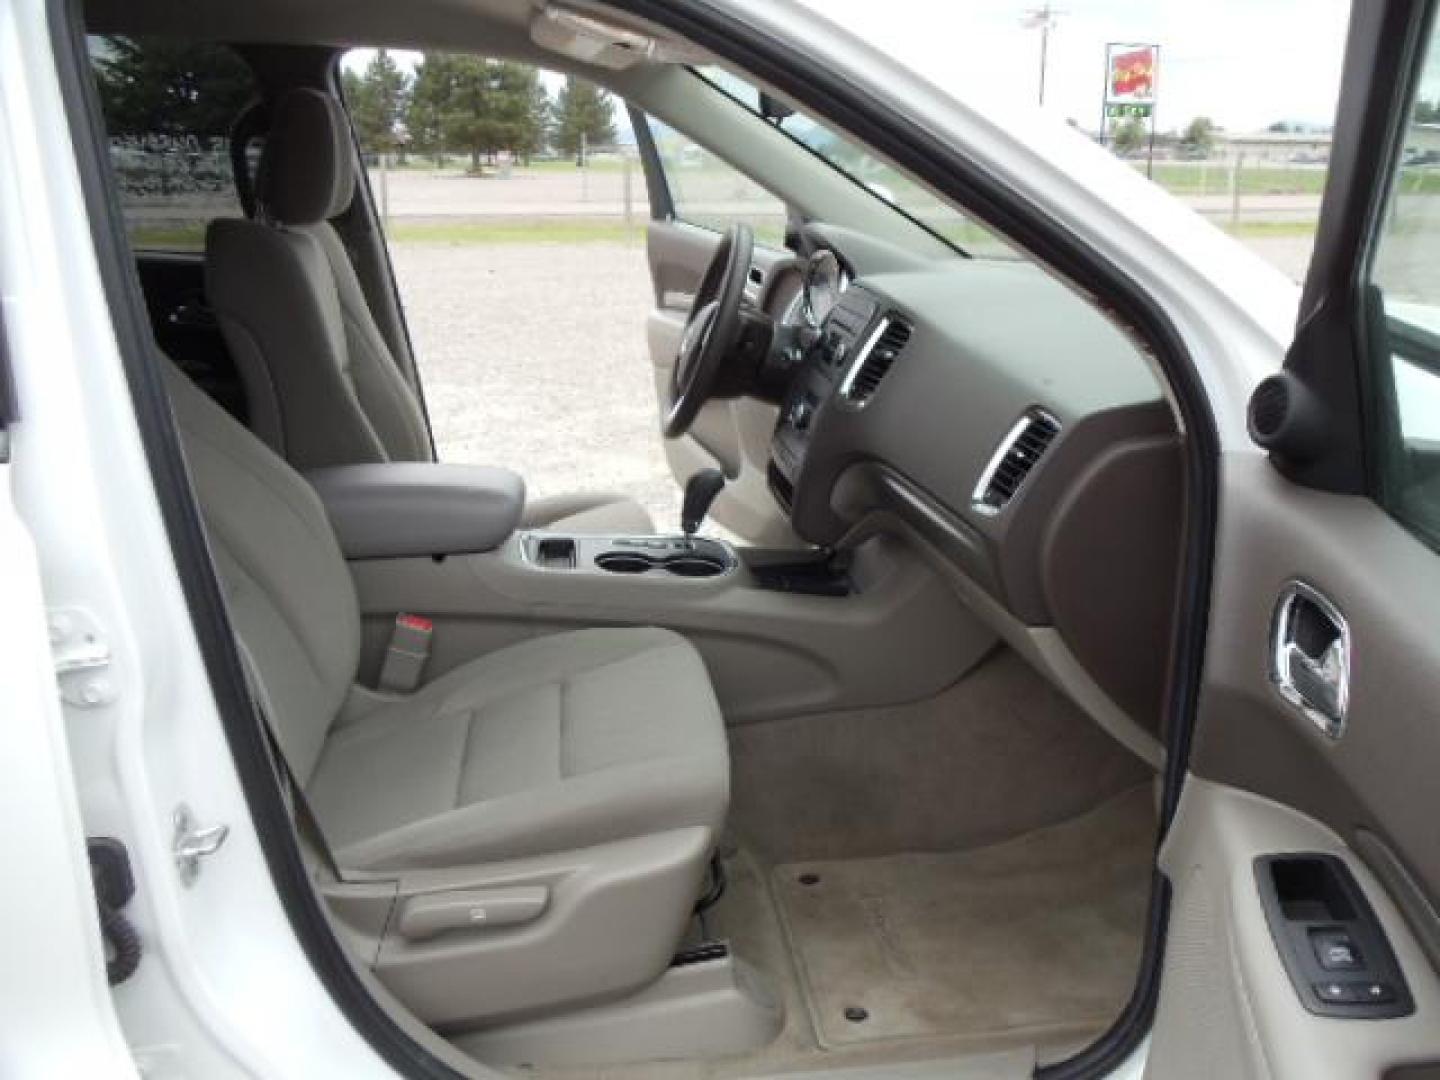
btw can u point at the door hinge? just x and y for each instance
(82, 658)
(192, 843)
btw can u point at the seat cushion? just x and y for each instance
(557, 743)
(588, 514)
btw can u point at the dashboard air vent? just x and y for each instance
(1022, 447)
(874, 359)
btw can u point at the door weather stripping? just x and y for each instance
(192, 843)
(82, 658)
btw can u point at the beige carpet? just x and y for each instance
(1039, 935)
(997, 755)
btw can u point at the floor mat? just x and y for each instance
(1040, 934)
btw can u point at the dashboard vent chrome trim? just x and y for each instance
(873, 359)
(1019, 451)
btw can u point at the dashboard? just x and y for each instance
(1010, 426)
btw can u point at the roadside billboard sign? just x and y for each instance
(1131, 72)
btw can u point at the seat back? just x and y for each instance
(321, 385)
(288, 592)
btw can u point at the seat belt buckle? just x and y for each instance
(407, 653)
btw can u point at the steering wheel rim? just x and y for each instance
(712, 329)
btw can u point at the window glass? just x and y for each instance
(885, 181)
(1406, 269)
(513, 204)
(168, 108)
(708, 192)
(1228, 105)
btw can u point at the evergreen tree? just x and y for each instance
(584, 117)
(542, 119)
(431, 101)
(161, 87)
(481, 107)
(472, 122)
(377, 102)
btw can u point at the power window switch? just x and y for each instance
(1376, 993)
(1336, 951)
(1338, 992)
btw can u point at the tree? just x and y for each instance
(431, 101)
(584, 117)
(159, 87)
(540, 120)
(377, 102)
(1129, 135)
(476, 105)
(1198, 138)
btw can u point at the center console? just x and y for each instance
(678, 556)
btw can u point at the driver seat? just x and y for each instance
(321, 385)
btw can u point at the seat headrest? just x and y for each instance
(306, 173)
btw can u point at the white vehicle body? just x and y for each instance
(227, 989)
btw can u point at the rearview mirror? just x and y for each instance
(773, 109)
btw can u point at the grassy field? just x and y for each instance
(190, 236)
(562, 230)
(1213, 178)
(518, 231)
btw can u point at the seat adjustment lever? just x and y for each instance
(471, 909)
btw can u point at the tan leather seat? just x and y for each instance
(321, 385)
(591, 765)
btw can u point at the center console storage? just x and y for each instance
(405, 509)
(678, 556)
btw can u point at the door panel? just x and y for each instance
(1380, 774)
(1266, 779)
(1227, 1006)
(732, 435)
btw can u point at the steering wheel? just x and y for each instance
(711, 331)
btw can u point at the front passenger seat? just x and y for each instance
(321, 385)
(583, 776)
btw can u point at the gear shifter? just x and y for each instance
(700, 492)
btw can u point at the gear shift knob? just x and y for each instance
(700, 492)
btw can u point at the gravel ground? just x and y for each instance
(533, 357)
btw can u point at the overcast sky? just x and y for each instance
(1243, 63)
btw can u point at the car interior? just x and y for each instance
(584, 793)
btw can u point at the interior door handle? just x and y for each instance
(1310, 656)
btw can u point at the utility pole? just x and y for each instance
(1042, 18)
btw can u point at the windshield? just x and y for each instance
(1228, 105)
(887, 182)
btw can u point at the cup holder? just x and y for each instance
(623, 562)
(691, 564)
(694, 565)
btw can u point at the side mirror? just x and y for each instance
(773, 109)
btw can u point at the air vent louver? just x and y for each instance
(875, 359)
(1016, 455)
